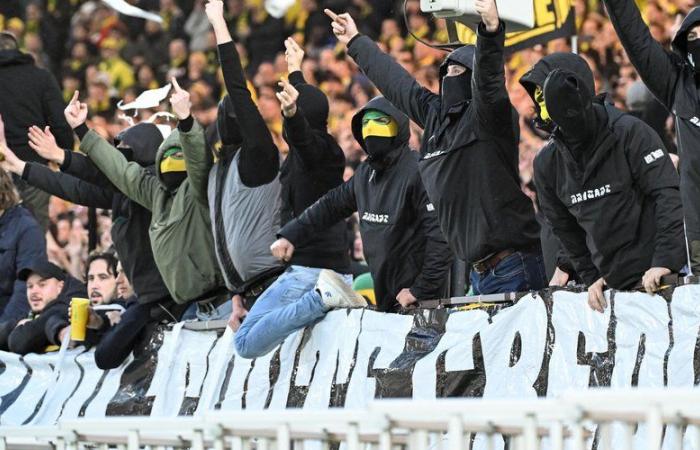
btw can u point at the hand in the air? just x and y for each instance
(180, 101)
(10, 162)
(288, 98)
(44, 143)
(343, 26)
(76, 112)
(489, 13)
(215, 11)
(294, 55)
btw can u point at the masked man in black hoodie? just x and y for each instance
(558, 267)
(674, 78)
(407, 255)
(30, 96)
(609, 190)
(469, 163)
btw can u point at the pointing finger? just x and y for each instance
(331, 14)
(75, 97)
(175, 84)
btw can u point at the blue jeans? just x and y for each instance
(519, 272)
(202, 313)
(289, 304)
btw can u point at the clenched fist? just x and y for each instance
(282, 249)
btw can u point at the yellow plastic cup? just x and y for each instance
(79, 318)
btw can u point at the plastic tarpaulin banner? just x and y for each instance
(542, 345)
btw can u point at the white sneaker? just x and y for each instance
(335, 292)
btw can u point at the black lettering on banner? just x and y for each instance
(11, 397)
(94, 394)
(227, 379)
(462, 383)
(274, 375)
(601, 364)
(189, 404)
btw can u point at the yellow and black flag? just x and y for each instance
(553, 19)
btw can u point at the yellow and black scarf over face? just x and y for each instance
(173, 169)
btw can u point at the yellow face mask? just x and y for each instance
(539, 98)
(173, 161)
(378, 124)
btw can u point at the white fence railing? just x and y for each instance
(619, 420)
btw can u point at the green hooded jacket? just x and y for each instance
(180, 230)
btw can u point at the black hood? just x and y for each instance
(681, 40)
(381, 104)
(227, 124)
(314, 103)
(464, 56)
(567, 61)
(14, 58)
(143, 140)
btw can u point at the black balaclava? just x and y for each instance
(227, 126)
(694, 54)
(455, 89)
(570, 105)
(379, 131)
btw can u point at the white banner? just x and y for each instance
(542, 345)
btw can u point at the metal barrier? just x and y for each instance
(573, 421)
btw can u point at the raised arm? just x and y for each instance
(198, 158)
(309, 145)
(659, 68)
(130, 178)
(259, 159)
(392, 80)
(438, 257)
(489, 79)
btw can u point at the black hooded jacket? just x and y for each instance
(81, 182)
(30, 96)
(554, 255)
(314, 165)
(616, 208)
(670, 77)
(469, 163)
(402, 241)
(34, 336)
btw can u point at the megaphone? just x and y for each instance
(518, 15)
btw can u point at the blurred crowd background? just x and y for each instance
(109, 58)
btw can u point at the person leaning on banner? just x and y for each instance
(609, 190)
(559, 268)
(30, 96)
(21, 241)
(674, 78)
(180, 229)
(469, 151)
(241, 187)
(405, 250)
(49, 292)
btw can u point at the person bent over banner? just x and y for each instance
(469, 151)
(557, 264)
(609, 190)
(407, 255)
(674, 79)
(180, 229)
(49, 292)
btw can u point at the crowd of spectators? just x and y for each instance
(111, 59)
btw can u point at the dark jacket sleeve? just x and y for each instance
(259, 161)
(80, 166)
(333, 207)
(491, 100)
(657, 178)
(119, 341)
(31, 246)
(658, 67)
(309, 145)
(437, 260)
(31, 336)
(392, 80)
(67, 187)
(53, 105)
(564, 226)
(56, 321)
